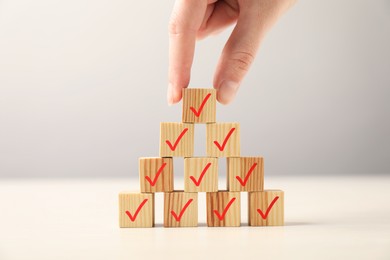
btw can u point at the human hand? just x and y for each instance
(196, 19)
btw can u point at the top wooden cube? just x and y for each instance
(199, 105)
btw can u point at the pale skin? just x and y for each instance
(192, 20)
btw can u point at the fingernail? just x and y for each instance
(170, 94)
(227, 91)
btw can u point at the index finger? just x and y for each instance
(186, 19)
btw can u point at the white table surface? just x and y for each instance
(326, 218)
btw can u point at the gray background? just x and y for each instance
(83, 88)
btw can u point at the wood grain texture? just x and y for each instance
(156, 174)
(201, 174)
(218, 201)
(194, 98)
(176, 201)
(171, 132)
(218, 132)
(261, 201)
(130, 201)
(245, 174)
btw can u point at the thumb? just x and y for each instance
(254, 20)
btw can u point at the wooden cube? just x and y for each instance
(176, 139)
(136, 210)
(180, 209)
(223, 209)
(199, 105)
(266, 208)
(245, 174)
(156, 174)
(223, 140)
(201, 174)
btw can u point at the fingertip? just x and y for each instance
(169, 95)
(174, 94)
(227, 91)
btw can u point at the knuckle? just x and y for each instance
(177, 26)
(173, 25)
(242, 60)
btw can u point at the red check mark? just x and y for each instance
(173, 147)
(197, 113)
(221, 217)
(243, 182)
(197, 182)
(222, 147)
(152, 183)
(181, 211)
(132, 218)
(264, 216)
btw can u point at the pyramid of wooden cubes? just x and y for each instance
(244, 174)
